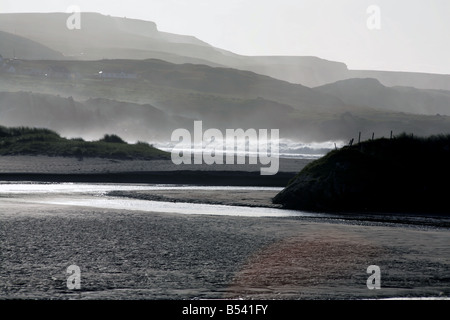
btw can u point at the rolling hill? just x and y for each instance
(87, 119)
(371, 93)
(13, 46)
(90, 118)
(106, 37)
(139, 98)
(158, 82)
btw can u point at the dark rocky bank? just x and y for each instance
(403, 174)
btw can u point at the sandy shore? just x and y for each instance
(66, 165)
(126, 254)
(260, 198)
(60, 169)
(263, 199)
(130, 254)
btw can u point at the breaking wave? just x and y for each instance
(286, 148)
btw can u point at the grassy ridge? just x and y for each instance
(222, 97)
(403, 174)
(37, 141)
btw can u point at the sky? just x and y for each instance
(399, 35)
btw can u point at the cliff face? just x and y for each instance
(404, 174)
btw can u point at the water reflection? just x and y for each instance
(94, 195)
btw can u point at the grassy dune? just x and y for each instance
(403, 174)
(37, 141)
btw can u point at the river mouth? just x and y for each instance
(132, 248)
(97, 196)
(190, 200)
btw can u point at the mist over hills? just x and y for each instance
(106, 37)
(85, 90)
(23, 48)
(371, 93)
(86, 118)
(166, 85)
(404, 79)
(91, 118)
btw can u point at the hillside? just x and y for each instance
(97, 32)
(147, 100)
(372, 94)
(88, 119)
(417, 80)
(106, 37)
(24, 48)
(403, 174)
(35, 141)
(157, 74)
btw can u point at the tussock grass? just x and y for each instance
(403, 174)
(41, 141)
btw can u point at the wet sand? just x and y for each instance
(128, 255)
(61, 169)
(135, 255)
(263, 199)
(245, 198)
(67, 165)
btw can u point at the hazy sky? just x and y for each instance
(413, 34)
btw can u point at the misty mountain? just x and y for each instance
(371, 93)
(404, 79)
(106, 37)
(103, 37)
(24, 48)
(308, 71)
(147, 100)
(89, 119)
(168, 86)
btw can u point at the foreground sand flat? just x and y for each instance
(144, 255)
(131, 254)
(66, 165)
(61, 169)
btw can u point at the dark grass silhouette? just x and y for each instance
(37, 141)
(403, 174)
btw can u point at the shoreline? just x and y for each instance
(240, 198)
(125, 254)
(97, 170)
(263, 199)
(63, 169)
(130, 254)
(187, 177)
(164, 172)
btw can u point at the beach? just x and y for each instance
(131, 254)
(66, 169)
